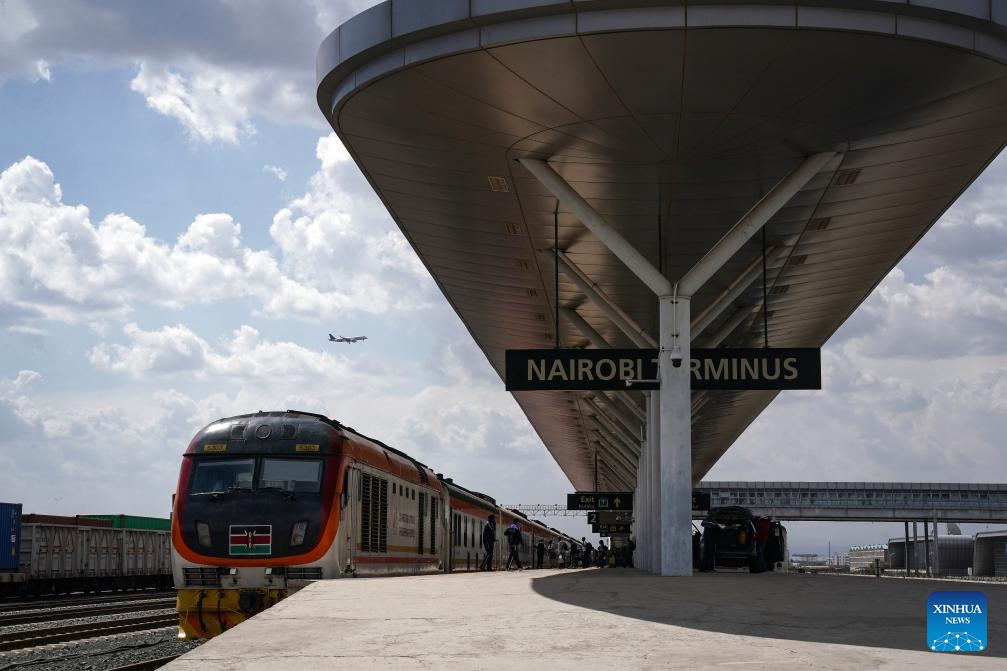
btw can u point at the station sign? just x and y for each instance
(609, 517)
(610, 528)
(599, 501)
(741, 368)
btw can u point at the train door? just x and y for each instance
(441, 517)
(349, 520)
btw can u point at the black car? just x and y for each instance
(736, 537)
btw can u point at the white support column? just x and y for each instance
(640, 516)
(654, 481)
(676, 439)
(669, 510)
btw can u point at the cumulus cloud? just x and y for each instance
(77, 458)
(338, 253)
(276, 171)
(176, 351)
(214, 66)
(208, 103)
(330, 230)
(953, 309)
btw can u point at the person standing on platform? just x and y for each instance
(586, 551)
(540, 553)
(711, 529)
(514, 541)
(553, 554)
(630, 549)
(489, 540)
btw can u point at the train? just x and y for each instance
(270, 501)
(44, 555)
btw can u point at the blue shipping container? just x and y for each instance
(10, 536)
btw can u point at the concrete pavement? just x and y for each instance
(618, 619)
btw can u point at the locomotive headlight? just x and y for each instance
(203, 533)
(298, 532)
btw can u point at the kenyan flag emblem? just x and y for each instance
(250, 540)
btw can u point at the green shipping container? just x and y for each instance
(135, 522)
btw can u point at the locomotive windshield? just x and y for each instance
(292, 475)
(214, 476)
(221, 475)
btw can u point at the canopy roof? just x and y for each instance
(672, 123)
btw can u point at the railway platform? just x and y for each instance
(601, 619)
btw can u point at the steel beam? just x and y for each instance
(628, 420)
(740, 315)
(617, 459)
(599, 342)
(585, 329)
(732, 291)
(588, 287)
(752, 222)
(611, 238)
(614, 427)
(605, 432)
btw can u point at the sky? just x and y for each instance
(180, 230)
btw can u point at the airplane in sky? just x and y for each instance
(351, 339)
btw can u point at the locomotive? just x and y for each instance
(268, 502)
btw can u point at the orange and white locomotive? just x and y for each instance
(267, 502)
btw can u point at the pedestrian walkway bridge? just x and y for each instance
(849, 501)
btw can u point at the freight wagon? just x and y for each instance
(58, 555)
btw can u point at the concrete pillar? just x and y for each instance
(654, 480)
(676, 437)
(907, 550)
(937, 550)
(916, 569)
(926, 545)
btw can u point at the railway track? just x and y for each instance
(30, 639)
(61, 612)
(81, 599)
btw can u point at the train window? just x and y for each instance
(291, 475)
(393, 488)
(221, 475)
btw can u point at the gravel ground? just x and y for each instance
(111, 617)
(33, 626)
(98, 654)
